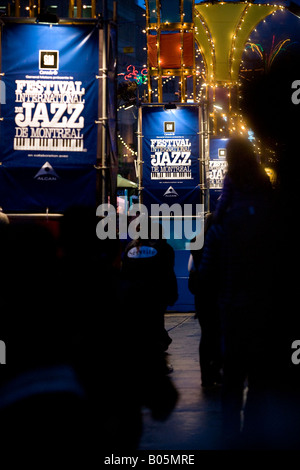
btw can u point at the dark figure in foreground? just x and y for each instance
(42, 404)
(81, 360)
(149, 263)
(274, 117)
(245, 181)
(116, 350)
(208, 315)
(238, 252)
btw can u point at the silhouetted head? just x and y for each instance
(243, 165)
(271, 107)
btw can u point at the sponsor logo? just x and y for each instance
(46, 173)
(49, 60)
(222, 153)
(169, 127)
(171, 192)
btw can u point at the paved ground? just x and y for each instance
(195, 422)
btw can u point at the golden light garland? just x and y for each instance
(211, 42)
(133, 152)
(206, 77)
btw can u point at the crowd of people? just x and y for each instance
(85, 342)
(83, 318)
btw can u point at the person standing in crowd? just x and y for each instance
(42, 403)
(238, 250)
(115, 356)
(245, 180)
(149, 262)
(207, 313)
(81, 361)
(271, 104)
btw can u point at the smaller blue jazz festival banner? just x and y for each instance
(171, 155)
(217, 168)
(48, 134)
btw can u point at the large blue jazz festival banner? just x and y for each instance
(48, 130)
(171, 155)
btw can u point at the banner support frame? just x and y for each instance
(140, 156)
(101, 164)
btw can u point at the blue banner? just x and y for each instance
(170, 155)
(48, 132)
(217, 163)
(217, 169)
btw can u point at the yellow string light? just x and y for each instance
(126, 145)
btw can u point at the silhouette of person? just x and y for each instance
(238, 251)
(270, 103)
(41, 398)
(245, 180)
(149, 262)
(207, 313)
(115, 355)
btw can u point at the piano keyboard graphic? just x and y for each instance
(24, 143)
(176, 175)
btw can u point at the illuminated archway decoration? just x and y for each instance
(221, 31)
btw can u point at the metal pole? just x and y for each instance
(31, 9)
(194, 63)
(101, 168)
(206, 153)
(204, 156)
(148, 62)
(201, 159)
(93, 13)
(104, 100)
(159, 81)
(71, 8)
(79, 9)
(17, 8)
(182, 65)
(1, 73)
(140, 156)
